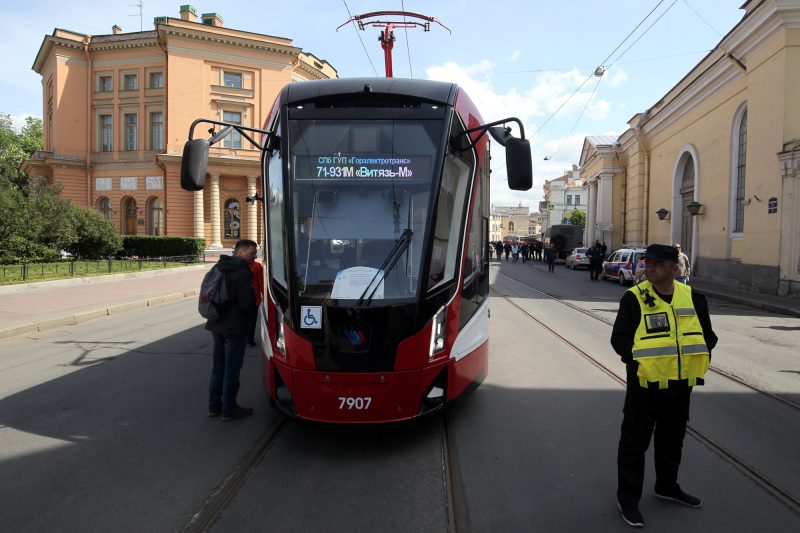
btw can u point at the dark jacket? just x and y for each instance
(628, 318)
(242, 305)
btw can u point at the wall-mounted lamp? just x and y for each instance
(662, 214)
(694, 208)
(253, 199)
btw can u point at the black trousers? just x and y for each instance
(662, 413)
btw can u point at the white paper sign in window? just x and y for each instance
(154, 182)
(127, 183)
(351, 283)
(102, 184)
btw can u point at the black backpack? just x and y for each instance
(213, 301)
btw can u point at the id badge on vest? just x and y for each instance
(656, 322)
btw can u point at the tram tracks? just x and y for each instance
(215, 504)
(730, 376)
(791, 501)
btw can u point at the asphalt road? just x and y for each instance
(103, 428)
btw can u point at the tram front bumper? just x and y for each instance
(364, 398)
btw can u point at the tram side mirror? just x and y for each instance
(194, 164)
(518, 164)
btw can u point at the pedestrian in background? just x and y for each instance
(595, 255)
(498, 250)
(550, 257)
(507, 250)
(258, 290)
(230, 331)
(663, 335)
(514, 252)
(684, 266)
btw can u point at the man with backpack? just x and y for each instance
(234, 308)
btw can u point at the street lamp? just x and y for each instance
(662, 214)
(694, 208)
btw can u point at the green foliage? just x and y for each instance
(18, 249)
(89, 235)
(16, 147)
(577, 218)
(150, 246)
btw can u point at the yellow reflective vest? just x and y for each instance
(669, 343)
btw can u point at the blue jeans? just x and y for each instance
(228, 357)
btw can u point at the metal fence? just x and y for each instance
(77, 268)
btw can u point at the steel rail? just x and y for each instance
(728, 375)
(215, 504)
(778, 492)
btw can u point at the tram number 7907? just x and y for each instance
(354, 402)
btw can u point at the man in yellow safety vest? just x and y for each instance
(663, 334)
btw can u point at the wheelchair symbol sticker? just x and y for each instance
(311, 316)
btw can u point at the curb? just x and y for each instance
(87, 316)
(102, 278)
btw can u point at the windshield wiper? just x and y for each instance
(388, 263)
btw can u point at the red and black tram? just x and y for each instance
(376, 209)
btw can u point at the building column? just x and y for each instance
(199, 219)
(789, 211)
(604, 206)
(591, 214)
(252, 210)
(216, 234)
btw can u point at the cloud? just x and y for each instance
(616, 76)
(532, 104)
(18, 121)
(515, 55)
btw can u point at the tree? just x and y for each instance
(16, 147)
(577, 218)
(89, 235)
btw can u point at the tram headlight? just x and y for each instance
(280, 342)
(438, 333)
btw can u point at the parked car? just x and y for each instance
(619, 265)
(577, 258)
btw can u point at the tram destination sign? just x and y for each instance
(360, 167)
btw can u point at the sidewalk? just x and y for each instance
(33, 307)
(768, 302)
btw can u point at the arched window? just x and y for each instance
(233, 221)
(741, 171)
(104, 208)
(510, 225)
(155, 216)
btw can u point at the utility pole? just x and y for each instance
(140, 5)
(387, 35)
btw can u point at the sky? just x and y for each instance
(532, 59)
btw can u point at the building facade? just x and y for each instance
(562, 195)
(508, 221)
(117, 112)
(715, 164)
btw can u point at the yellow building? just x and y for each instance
(714, 164)
(117, 111)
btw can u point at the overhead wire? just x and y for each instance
(566, 138)
(601, 64)
(701, 18)
(408, 47)
(350, 15)
(645, 31)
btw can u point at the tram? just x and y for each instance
(376, 210)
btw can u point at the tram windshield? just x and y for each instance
(358, 189)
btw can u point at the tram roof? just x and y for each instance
(432, 91)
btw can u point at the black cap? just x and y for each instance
(661, 252)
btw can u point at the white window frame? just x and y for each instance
(153, 144)
(102, 129)
(134, 146)
(232, 73)
(160, 75)
(125, 77)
